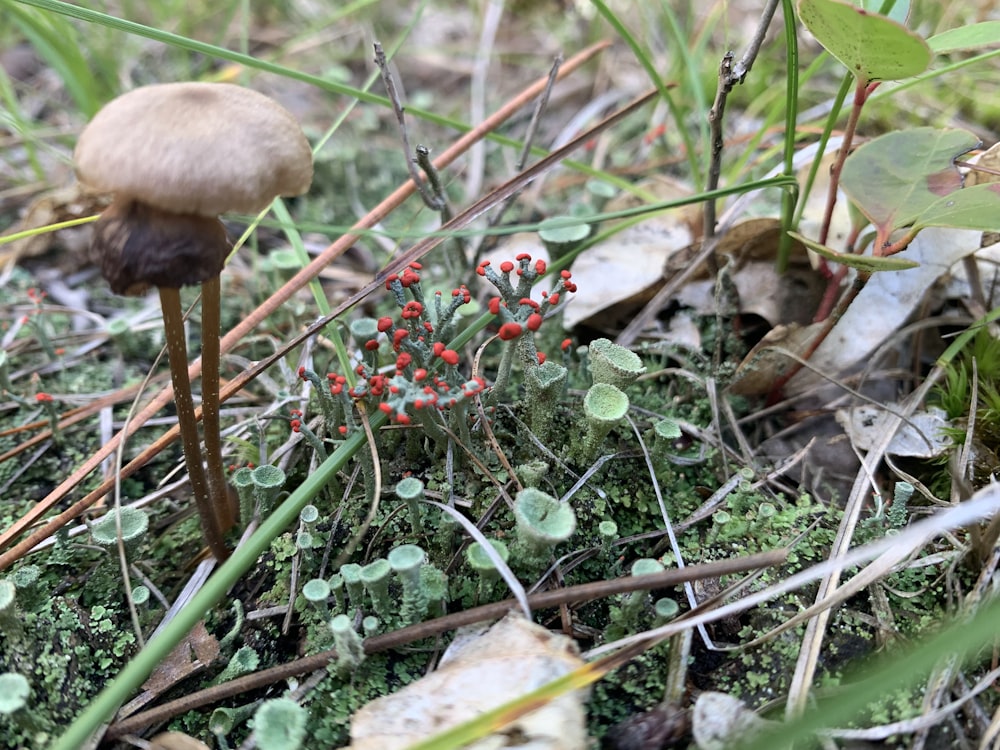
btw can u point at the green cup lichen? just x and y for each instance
(284, 260)
(363, 330)
(317, 591)
(308, 516)
(484, 566)
(542, 522)
(562, 234)
(351, 573)
(614, 364)
(134, 524)
(337, 589)
(243, 661)
(242, 480)
(666, 609)
(481, 562)
(604, 407)
(267, 483)
(531, 473)
(375, 578)
(371, 625)
(348, 644)
(407, 560)
(544, 386)
(280, 724)
(434, 583)
(634, 602)
(27, 581)
(665, 433)
(223, 720)
(411, 491)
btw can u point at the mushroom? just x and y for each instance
(175, 156)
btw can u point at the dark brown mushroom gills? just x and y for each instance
(138, 246)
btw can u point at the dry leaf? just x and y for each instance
(626, 270)
(53, 206)
(192, 655)
(719, 721)
(987, 160)
(920, 436)
(764, 365)
(477, 674)
(888, 300)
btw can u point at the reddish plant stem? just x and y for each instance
(861, 91)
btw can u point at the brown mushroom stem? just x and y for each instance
(219, 493)
(173, 325)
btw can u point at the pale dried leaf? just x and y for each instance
(627, 269)
(921, 435)
(989, 167)
(887, 302)
(512, 658)
(719, 721)
(50, 207)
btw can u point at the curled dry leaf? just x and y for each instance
(921, 436)
(625, 271)
(764, 365)
(52, 207)
(720, 721)
(477, 674)
(778, 298)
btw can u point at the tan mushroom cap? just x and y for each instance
(195, 148)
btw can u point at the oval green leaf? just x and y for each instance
(976, 36)
(873, 47)
(860, 262)
(976, 207)
(894, 178)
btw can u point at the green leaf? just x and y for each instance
(873, 47)
(894, 178)
(860, 262)
(976, 207)
(976, 36)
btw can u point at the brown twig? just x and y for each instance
(248, 324)
(398, 638)
(430, 199)
(730, 74)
